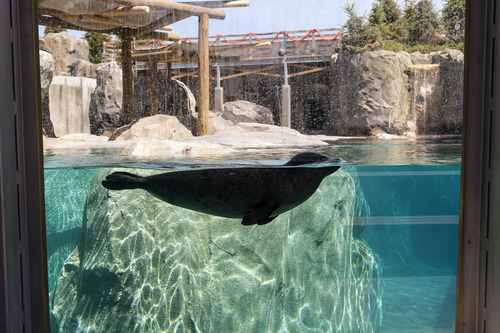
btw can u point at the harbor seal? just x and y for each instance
(256, 194)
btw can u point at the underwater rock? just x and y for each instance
(142, 265)
(65, 191)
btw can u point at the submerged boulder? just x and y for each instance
(142, 265)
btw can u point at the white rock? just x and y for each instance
(253, 135)
(159, 127)
(174, 149)
(69, 100)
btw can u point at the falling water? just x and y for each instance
(423, 80)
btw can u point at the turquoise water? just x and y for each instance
(406, 212)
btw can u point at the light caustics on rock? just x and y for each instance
(144, 265)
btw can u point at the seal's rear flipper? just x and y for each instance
(122, 181)
(259, 215)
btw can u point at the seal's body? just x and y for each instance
(255, 194)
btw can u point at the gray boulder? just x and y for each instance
(106, 106)
(397, 93)
(446, 115)
(247, 112)
(47, 68)
(84, 68)
(66, 49)
(174, 99)
(142, 265)
(158, 127)
(369, 89)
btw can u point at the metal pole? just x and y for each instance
(285, 98)
(219, 92)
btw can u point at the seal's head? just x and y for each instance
(309, 158)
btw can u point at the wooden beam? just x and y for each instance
(242, 48)
(219, 4)
(93, 19)
(162, 36)
(319, 69)
(254, 71)
(126, 11)
(179, 6)
(52, 21)
(203, 65)
(169, 18)
(127, 78)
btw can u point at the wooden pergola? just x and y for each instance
(140, 19)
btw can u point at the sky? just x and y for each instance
(277, 15)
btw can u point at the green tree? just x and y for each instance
(96, 40)
(52, 30)
(386, 17)
(453, 20)
(421, 21)
(359, 32)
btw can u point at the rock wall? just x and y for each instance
(66, 49)
(384, 90)
(47, 68)
(69, 104)
(142, 265)
(446, 115)
(105, 111)
(358, 93)
(369, 89)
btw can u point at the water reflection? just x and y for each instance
(360, 151)
(423, 150)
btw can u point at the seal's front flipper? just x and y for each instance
(259, 215)
(122, 181)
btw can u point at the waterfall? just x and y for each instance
(423, 79)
